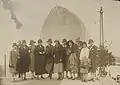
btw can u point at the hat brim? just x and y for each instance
(49, 41)
(32, 42)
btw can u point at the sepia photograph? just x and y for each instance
(59, 42)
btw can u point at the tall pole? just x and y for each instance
(5, 66)
(101, 39)
(101, 28)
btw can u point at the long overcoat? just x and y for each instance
(14, 55)
(58, 60)
(65, 57)
(93, 57)
(24, 60)
(39, 59)
(49, 58)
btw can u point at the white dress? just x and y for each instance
(84, 53)
(84, 63)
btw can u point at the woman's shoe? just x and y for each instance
(25, 79)
(42, 77)
(85, 80)
(19, 76)
(61, 78)
(93, 80)
(50, 77)
(58, 78)
(73, 78)
(13, 80)
(67, 77)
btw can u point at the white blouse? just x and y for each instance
(84, 53)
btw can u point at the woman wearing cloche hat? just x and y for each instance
(39, 59)
(14, 54)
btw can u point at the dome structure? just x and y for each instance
(61, 23)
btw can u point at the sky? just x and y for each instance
(32, 13)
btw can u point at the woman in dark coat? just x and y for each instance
(14, 55)
(49, 58)
(24, 60)
(65, 56)
(92, 56)
(19, 43)
(39, 59)
(58, 61)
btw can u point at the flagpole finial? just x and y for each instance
(101, 9)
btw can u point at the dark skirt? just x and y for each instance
(49, 64)
(39, 65)
(65, 62)
(93, 65)
(23, 64)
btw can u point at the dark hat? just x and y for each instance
(90, 41)
(24, 41)
(56, 41)
(64, 40)
(32, 41)
(40, 41)
(70, 41)
(84, 43)
(78, 39)
(14, 44)
(49, 40)
(80, 42)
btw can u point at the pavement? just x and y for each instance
(32, 82)
(54, 81)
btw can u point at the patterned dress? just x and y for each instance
(73, 60)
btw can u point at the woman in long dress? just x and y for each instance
(73, 60)
(58, 61)
(49, 58)
(14, 55)
(24, 60)
(39, 59)
(84, 62)
(32, 56)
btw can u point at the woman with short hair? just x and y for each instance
(49, 58)
(84, 62)
(14, 55)
(73, 60)
(24, 60)
(58, 59)
(39, 53)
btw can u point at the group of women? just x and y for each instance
(62, 58)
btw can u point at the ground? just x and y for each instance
(102, 81)
(33, 82)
